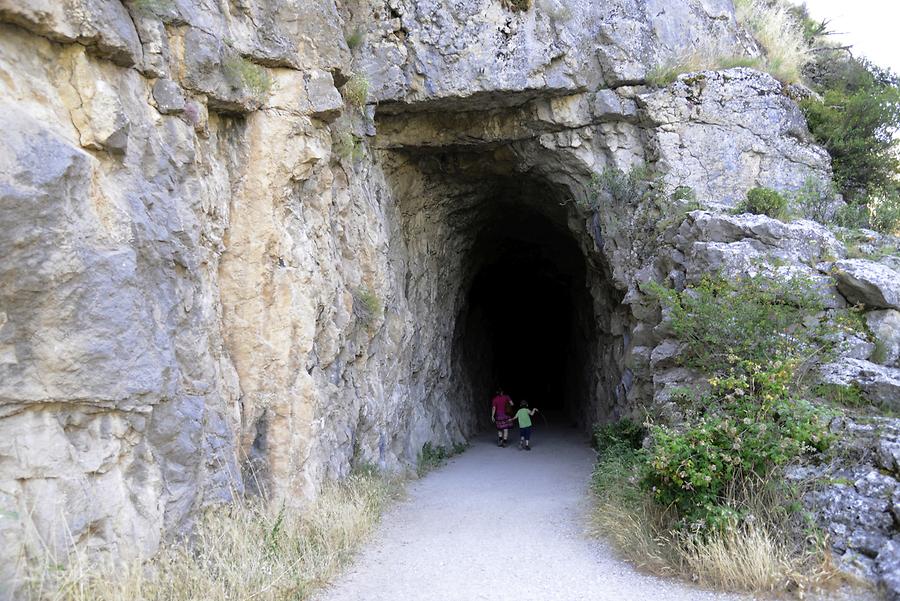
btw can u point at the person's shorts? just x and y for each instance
(525, 433)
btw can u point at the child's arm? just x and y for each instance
(533, 411)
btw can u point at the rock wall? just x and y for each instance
(219, 277)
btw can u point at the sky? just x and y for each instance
(871, 26)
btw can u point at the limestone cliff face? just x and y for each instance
(217, 275)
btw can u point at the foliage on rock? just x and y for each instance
(366, 306)
(635, 206)
(722, 322)
(356, 90)
(246, 75)
(517, 5)
(748, 335)
(764, 201)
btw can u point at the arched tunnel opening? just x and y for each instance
(527, 323)
(507, 276)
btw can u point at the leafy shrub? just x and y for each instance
(243, 74)
(816, 199)
(348, 146)
(749, 430)
(844, 395)
(624, 433)
(884, 213)
(633, 208)
(747, 334)
(767, 553)
(764, 201)
(879, 214)
(356, 90)
(721, 321)
(856, 121)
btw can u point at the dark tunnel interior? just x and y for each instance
(527, 321)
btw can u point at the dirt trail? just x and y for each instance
(500, 524)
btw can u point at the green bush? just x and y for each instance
(624, 433)
(856, 121)
(884, 213)
(366, 306)
(816, 199)
(879, 214)
(517, 5)
(748, 335)
(850, 395)
(764, 201)
(722, 321)
(752, 426)
(355, 38)
(632, 208)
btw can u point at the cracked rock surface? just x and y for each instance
(220, 276)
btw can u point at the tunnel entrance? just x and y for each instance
(527, 319)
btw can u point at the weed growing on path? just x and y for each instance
(432, 456)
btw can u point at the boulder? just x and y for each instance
(888, 566)
(104, 26)
(868, 282)
(770, 148)
(168, 96)
(885, 327)
(879, 384)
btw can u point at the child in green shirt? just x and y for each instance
(523, 416)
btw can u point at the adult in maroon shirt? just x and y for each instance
(500, 405)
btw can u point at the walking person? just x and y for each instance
(523, 416)
(500, 416)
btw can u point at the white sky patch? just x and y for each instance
(870, 26)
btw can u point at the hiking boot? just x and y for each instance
(527, 448)
(504, 443)
(499, 442)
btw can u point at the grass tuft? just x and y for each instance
(760, 555)
(355, 38)
(356, 90)
(241, 551)
(246, 75)
(780, 34)
(367, 306)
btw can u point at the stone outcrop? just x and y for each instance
(220, 277)
(868, 283)
(856, 498)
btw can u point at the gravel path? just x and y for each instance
(501, 524)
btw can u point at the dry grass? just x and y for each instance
(239, 552)
(779, 33)
(769, 21)
(700, 58)
(766, 553)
